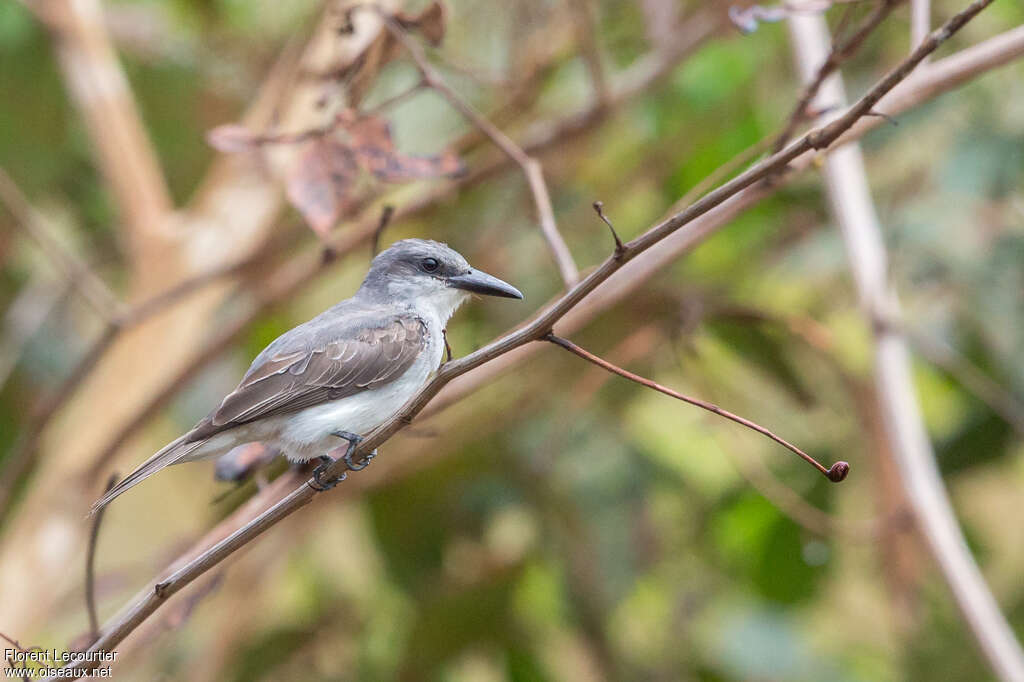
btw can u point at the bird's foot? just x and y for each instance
(318, 475)
(353, 442)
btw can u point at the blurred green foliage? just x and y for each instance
(614, 535)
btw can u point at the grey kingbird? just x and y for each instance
(343, 373)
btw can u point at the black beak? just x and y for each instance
(481, 283)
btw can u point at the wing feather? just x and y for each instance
(332, 362)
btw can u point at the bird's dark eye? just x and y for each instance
(429, 264)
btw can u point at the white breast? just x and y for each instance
(306, 434)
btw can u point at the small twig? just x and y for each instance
(77, 273)
(385, 218)
(840, 53)
(620, 248)
(294, 137)
(90, 567)
(447, 346)
(531, 167)
(836, 473)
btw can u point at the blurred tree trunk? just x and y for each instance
(230, 217)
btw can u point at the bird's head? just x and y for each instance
(421, 272)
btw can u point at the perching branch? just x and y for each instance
(531, 167)
(536, 329)
(835, 473)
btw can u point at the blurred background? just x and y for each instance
(559, 523)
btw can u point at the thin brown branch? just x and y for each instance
(790, 504)
(531, 167)
(90, 568)
(835, 473)
(536, 329)
(79, 275)
(839, 53)
(817, 340)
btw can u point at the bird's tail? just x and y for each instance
(172, 453)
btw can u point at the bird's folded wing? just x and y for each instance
(324, 363)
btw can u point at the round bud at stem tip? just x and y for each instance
(838, 471)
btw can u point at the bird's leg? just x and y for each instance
(353, 442)
(447, 346)
(321, 484)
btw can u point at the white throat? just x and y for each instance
(439, 303)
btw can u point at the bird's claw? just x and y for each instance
(347, 458)
(318, 475)
(353, 442)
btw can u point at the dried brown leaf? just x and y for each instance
(399, 167)
(320, 182)
(374, 149)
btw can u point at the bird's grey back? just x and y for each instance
(355, 346)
